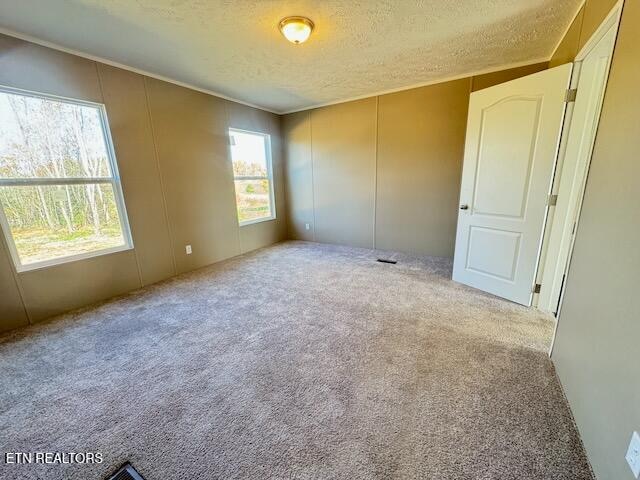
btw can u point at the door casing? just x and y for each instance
(570, 179)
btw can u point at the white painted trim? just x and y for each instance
(256, 220)
(40, 181)
(551, 209)
(71, 258)
(58, 98)
(423, 84)
(566, 30)
(612, 18)
(116, 181)
(95, 58)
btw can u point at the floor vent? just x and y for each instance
(126, 472)
(386, 260)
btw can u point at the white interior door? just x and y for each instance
(513, 131)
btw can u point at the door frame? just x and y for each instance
(551, 272)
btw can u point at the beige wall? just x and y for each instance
(420, 149)
(490, 79)
(125, 98)
(12, 311)
(570, 44)
(296, 132)
(344, 155)
(586, 22)
(190, 133)
(173, 158)
(383, 171)
(597, 348)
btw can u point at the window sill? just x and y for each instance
(70, 259)
(257, 220)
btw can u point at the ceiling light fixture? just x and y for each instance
(296, 29)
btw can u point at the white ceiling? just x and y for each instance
(359, 47)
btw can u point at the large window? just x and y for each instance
(251, 157)
(60, 194)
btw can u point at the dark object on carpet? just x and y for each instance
(127, 472)
(303, 361)
(386, 260)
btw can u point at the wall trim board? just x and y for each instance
(159, 171)
(95, 58)
(313, 183)
(424, 84)
(227, 117)
(375, 171)
(135, 253)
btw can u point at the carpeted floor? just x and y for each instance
(301, 361)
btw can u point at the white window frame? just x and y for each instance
(113, 180)
(272, 198)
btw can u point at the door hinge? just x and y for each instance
(536, 288)
(553, 200)
(571, 95)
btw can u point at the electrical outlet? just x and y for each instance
(633, 454)
(306, 226)
(188, 249)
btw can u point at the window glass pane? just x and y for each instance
(55, 221)
(248, 154)
(44, 138)
(252, 199)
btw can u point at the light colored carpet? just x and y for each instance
(298, 361)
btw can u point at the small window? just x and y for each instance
(251, 157)
(60, 194)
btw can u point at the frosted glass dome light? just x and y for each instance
(296, 29)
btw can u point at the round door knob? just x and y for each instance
(464, 207)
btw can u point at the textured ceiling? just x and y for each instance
(359, 47)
